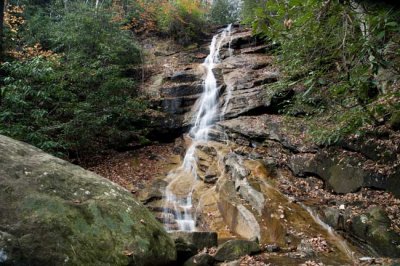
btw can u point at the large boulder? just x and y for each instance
(373, 227)
(56, 213)
(342, 172)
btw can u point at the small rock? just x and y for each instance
(234, 249)
(202, 259)
(272, 248)
(305, 248)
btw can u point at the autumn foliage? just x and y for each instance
(13, 18)
(180, 19)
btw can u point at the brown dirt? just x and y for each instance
(134, 170)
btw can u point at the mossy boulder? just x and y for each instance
(56, 213)
(373, 227)
(342, 172)
(234, 249)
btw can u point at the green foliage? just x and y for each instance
(81, 99)
(342, 57)
(183, 20)
(225, 11)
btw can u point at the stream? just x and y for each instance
(217, 187)
(204, 119)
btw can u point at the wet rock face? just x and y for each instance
(71, 216)
(239, 173)
(262, 128)
(374, 227)
(243, 76)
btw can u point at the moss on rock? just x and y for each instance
(374, 227)
(61, 214)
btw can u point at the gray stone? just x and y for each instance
(272, 248)
(233, 165)
(69, 215)
(342, 172)
(335, 218)
(153, 192)
(269, 127)
(184, 76)
(234, 249)
(305, 248)
(178, 105)
(202, 259)
(180, 90)
(184, 250)
(242, 40)
(253, 197)
(239, 219)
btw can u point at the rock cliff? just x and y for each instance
(254, 149)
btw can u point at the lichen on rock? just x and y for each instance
(59, 213)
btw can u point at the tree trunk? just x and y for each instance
(1, 29)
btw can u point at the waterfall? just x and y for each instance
(181, 205)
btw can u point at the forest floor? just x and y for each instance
(136, 169)
(311, 192)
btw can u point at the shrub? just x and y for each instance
(225, 11)
(77, 96)
(183, 20)
(343, 55)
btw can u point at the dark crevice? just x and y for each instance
(167, 135)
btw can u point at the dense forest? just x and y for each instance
(70, 69)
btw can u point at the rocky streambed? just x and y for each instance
(261, 178)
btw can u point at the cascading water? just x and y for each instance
(181, 205)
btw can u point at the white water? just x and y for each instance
(204, 120)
